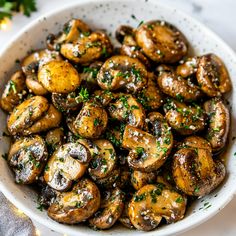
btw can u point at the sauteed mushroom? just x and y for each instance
(77, 205)
(13, 92)
(194, 170)
(184, 119)
(110, 210)
(122, 72)
(59, 77)
(67, 164)
(88, 49)
(161, 41)
(212, 76)
(25, 114)
(91, 120)
(151, 203)
(177, 87)
(126, 108)
(103, 163)
(219, 122)
(27, 157)
(50, 120)
(72, 31)
(147, 152)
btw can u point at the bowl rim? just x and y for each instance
(60, 227)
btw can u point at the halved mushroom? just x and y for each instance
(194, 170)
(13, 92)
(184, 119)
(103, 163)
(67, 164)
(219, 122)
(34, 86)
(126, 108)
(72, 31)
(151, 203)
(140, 179)
(212, 76)
(148, 152)
(111, 208)
(27, 157)
(91, 120)
(25, 114)
(161, 41)
(151, 96)
(124, 34)
(188, 67)
(88, 49)
(177, 87)
(51, 119)
(59, 77)
(122, 72)
(77, 205)
(54, 139)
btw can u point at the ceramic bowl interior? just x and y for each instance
(109, 15)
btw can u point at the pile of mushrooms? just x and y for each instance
(124, 135)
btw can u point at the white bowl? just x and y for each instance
(108, 15)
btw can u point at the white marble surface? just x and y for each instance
(217, 15)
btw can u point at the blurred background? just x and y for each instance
(218, 15)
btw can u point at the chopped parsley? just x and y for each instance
(40, 207)
(12, 86)
(139, 198)
(93, 71)
(139, 150)
(97, 122)
(179, 200)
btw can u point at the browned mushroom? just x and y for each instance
(161, 41)
(27, 157)
(219, 123)
(25, 114)
(91, 120)
(147, 152)
(67, 164)
(177, 87)
(122, 72)
(112, 205)
(126, 108)
(194, 170)
(212, 76)
(152, 202)
(13, 92)
(77, 205)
